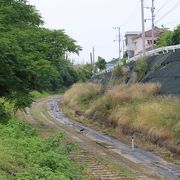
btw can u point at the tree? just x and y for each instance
(101, 63)
(165, 39)
(84, 72)
(18, 13)
(31, 57)
(176, 36)
(168, 38)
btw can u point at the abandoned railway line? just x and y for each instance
(95, 146)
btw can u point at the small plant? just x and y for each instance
(118, 71)
(119, 74)
(4, 115)
(141, 68)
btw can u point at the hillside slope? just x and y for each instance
(163, 69)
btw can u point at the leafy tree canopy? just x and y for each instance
(176, 36)
(165, 39)
(84, 72)
(101, 63)
(18, 12)
(168, 37)
(31, 57)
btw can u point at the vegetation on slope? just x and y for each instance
(168, 37)
(131, 109)
(23, 155)
(33, 58)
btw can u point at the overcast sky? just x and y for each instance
(91, 22)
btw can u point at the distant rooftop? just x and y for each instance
(113, 61)
(132, 33)
(148, 33)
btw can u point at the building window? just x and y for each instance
(149, 42)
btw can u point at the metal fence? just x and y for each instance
(148, 53)
(156, 51)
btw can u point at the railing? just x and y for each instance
(148, 53)
(156, 51)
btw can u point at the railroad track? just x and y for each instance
(97, 169)
(94, 145)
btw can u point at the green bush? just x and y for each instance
(117, 71)
(23, 155)
(141, 68)
(3, 113)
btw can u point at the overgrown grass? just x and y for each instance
(23, 155)
(133, 109)
(81, 94)
(37, 94)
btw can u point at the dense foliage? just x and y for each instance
(168, 37)
(101, 63)
(31, 57)
(23, 155)
(84, 72)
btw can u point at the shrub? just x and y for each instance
(141, 68)
(137, 108)
(125, 93)
(118, 96)
(117, 71)
(162, 113)
(4, 115)
(81, 94)
(23, 155)
(119, 75)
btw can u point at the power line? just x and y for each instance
(173, 8)
(129, 17)
(162, 6)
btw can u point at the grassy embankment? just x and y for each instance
(130, 109)
(25, 154)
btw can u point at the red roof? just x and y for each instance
(148, 33)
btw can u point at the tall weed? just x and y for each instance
(81, 94)
(131, 108)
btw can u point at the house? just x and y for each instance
(130, 42)
(148, 41)
(134, 41)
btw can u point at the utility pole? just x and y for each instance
(153, 18)
(119, 40)
(93, 54)
(93, 60)
(123, 48)
(143, 31)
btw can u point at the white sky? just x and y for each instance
(91, 22)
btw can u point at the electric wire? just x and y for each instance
(173, 8)
(167, 1)
(130, 16)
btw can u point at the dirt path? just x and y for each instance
(103, 155)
